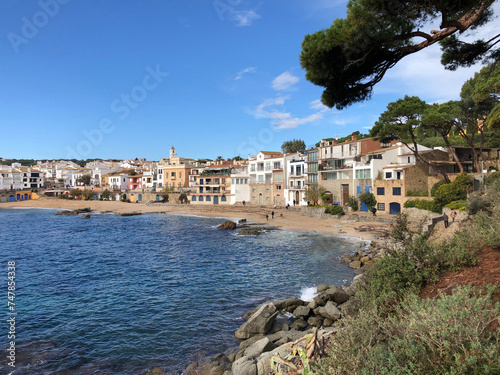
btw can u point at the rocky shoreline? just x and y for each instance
(285, 335)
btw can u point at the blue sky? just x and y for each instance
(131, 78)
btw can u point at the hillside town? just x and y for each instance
(391, 171)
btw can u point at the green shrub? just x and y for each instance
(454, 191)
(417, 193)
(491, 178)
(436, 186)
(423, 205)
(449, 335)
(457, 205)
(353, 203)
(334, 210)
(368, 199)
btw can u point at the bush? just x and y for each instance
(454, 191)
(183, 198)
(423, 205)
(334, 210)
(449, 335)
(492, 178)
(417, 193)
(368, 199)
(457, 205)
(353, 203)
(436, 186)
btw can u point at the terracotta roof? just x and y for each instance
(271, 153)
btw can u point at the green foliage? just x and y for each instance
(457, 205)
(353, 203)
(491, 178)
(423, 205)
(354, 54)
(313, 193)
(368, 199)
(449, 335)
(454, 191)
(436, 186)
(88, 194)
(85, 179)
(334, 210)
(417, 193)
(106, 195)
(183, 198)
(326, 198)
(293, 146)
(75, 192)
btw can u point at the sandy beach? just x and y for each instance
(346, 226)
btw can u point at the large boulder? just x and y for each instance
(252, 340)
(245, 366)
(301, 311)
(315, 321)
(299, 325)
(336, 294)
(249, 231)
(264, 361)
(330, 311)
(227, 225)
(355, 264)
(259, 323)
(289, 304)
(259, 347)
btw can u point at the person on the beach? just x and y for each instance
(243, 203)
(274, 206)
(445, 219)
(294, 202)
(374, 211)
(453, 214)
(281, 215)
(287, 206)
(272, 215)
(267, 217)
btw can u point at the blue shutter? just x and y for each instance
(358, 189)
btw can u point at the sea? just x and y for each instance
(122, 295)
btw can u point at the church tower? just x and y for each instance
(173, 154)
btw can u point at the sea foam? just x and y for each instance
(308, 293)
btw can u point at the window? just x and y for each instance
(313, 156)
(223, 199)
(223, 181)
(252, 168)
(278, 177)
(200, 198)
(201, 181)
(331, 176)
(172, 174)
(380, 191)
(246, 181)
(398, 175)
(313, 178)
(260, 178)
(363, 173)
(388, 174)
(409, 158)
(278, 198)
(232, 181)
(291, 184)
(312, 167)
(193, 198)
(180, 174)
(298, 184)
(278, 187)
(291, 170)
(208, 198)
(396, 191)
(381, 206)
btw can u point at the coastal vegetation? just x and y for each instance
(389, 328)
(293, 146)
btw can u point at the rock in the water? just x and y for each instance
(241, 221)
(86, 216)
(227, 225)
(321, 288)
(135, 213)
(156, 371)
(301, 311)
(259, 347)
(355, 264)
(289, 304)
(249, 231)
(330, 311)
(78, 211)
(252, 340)
(259, 323)
(245, 366)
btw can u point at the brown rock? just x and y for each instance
(355, 264)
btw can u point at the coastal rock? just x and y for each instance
(336, 294)
(86, 216)
(241, 221)
(259, 347)
(299, 325)
(264, 361)
(156, 371)
(259, 323)
(245, 366)
(315, 321)
(75, 212)
(319, 301)
(321, 288)
(312, 305)
(355, 264)
(227, 225)
(289, 304)
(249, 232)
(252, 340)
(281, 338)
(301, 311)
(128, 213)
(330, 311)
(327, 322)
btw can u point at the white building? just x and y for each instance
(296, 179)
(240, 188)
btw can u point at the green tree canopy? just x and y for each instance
(354, 54)
(295, 145)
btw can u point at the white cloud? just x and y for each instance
(281, 119)
(251, 69)
(284, 81)
(244, 17)
(316, 104)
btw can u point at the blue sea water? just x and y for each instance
(120, 295)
